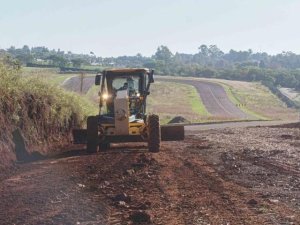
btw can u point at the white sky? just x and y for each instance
(128, 27)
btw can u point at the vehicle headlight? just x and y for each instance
(105, 96)
(138, 94)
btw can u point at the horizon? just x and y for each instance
(89, 53)
(114, 28)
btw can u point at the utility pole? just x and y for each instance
(82, 75)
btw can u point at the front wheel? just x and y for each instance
(92, 134)
(154, 133)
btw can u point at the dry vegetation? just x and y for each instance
(43, 112)
(291, 94)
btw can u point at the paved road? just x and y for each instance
(215, 99)
(74, 84)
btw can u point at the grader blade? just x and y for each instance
(172, 133)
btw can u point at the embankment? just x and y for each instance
(35, 117)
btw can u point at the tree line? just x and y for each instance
(211, 62)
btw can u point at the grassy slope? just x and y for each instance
(169, 99)
(235, 96)
(44, 112)
(291, 94)
(254, 99)
(51, 74)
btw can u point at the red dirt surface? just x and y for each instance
(225, 176)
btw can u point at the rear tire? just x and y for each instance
(92, 134)
(154, 133)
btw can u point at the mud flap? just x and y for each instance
(172, 133)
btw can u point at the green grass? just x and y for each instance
(170, 99)
(92, 94)
(257, 101)
(59, 79)
(234, 97)
(29, 71)
(196, 102)
(51, 74)
(253, 98)
(90, 67)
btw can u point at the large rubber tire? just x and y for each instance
(154, 133)
(92, 134)
(104, 146)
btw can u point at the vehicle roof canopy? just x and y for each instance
(126, 70)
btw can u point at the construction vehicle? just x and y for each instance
(122, 113)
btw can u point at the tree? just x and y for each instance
(26, 50)
(78, 62)
(58, 60)
(163, 53)
(203, 50)
(214, 52)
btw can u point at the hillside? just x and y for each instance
(178, 96)
(292, 94)
(253, 98)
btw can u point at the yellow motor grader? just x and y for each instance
(122, 113)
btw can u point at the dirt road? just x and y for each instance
(224, 176)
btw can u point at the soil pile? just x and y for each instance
(178, 119)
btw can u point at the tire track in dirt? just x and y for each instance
(206, 198)
(49, 192)
(179, 185)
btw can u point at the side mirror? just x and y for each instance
(151, 77)
(98, 79)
